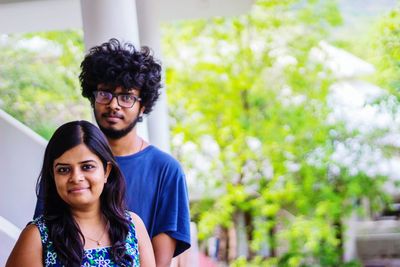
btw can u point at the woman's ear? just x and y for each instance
(108, 171)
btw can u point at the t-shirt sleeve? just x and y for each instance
(173, 209)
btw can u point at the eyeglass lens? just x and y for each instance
(124, 100)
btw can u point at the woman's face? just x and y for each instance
(80, 177)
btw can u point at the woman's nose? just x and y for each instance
(76, 176)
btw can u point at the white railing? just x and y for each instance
(21, 156)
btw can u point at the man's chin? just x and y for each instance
(112, 133)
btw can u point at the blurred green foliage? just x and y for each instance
(380, 45)
(39, 79)
(249, 101)
(385, 51)
(251, 105)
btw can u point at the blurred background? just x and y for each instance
(284, 115)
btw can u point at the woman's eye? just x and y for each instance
(62, 170)
(87, 167)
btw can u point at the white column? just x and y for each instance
(105, 19)
(149, 32)
(349, 244)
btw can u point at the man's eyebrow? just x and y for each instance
(104, 88)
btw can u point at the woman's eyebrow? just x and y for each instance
(62, 164)
(87, 161)
(81, 162)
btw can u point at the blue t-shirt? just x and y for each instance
(156, 191)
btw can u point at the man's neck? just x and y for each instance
(127, 145)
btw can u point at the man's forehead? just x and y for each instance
(115, 88)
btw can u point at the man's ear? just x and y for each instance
(142, 111)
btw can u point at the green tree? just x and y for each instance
(382, 48)
(249, 116)
(38, 79)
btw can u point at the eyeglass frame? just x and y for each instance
(136, 98)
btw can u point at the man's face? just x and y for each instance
(116, 121)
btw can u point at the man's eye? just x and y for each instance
(127, 98)
(103, 94)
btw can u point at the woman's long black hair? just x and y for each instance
(64, 232)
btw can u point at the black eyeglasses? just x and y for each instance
(123, 100)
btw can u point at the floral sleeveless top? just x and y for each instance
(91, 257)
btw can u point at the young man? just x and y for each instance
(122, 85)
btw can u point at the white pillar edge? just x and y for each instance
(104, 19)
(150, 35)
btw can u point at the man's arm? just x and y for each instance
(164, 247)
(170, 233)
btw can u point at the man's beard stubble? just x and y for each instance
(117, 134)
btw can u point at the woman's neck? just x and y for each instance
(94, 228)
(91, 214)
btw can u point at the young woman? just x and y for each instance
(85, 221)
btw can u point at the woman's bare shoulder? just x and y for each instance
(28, 248)
(30, 235)
(135, 218)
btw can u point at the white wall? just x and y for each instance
(40, 15)
(21, 155)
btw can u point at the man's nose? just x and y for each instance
(114, 103)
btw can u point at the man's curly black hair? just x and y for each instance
(119, 64)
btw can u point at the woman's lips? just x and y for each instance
(78, 190)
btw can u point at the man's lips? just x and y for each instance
(112, 117)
